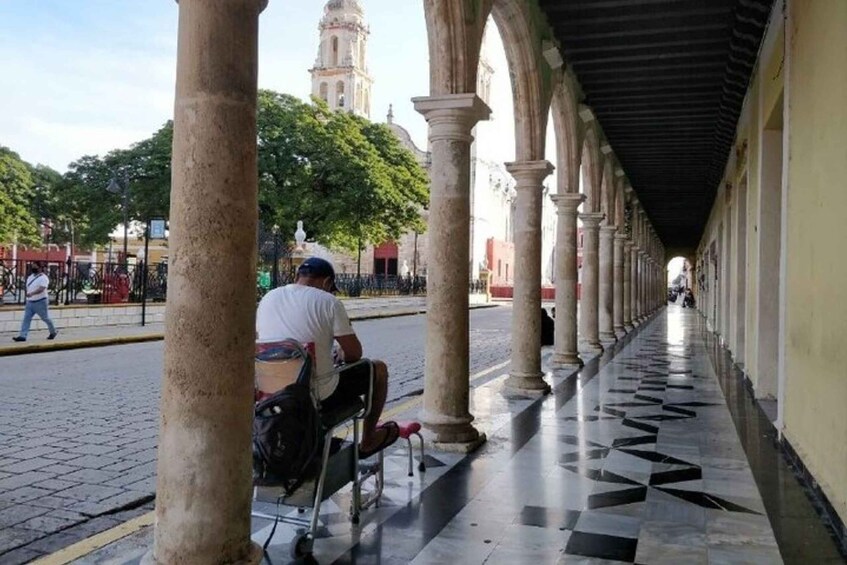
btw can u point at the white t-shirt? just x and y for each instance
(309, 315)
(33, 282)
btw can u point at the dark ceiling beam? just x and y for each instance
(650, 45)
(649, 69)
(577, 34)
(633, 14)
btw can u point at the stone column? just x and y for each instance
(446, 388)
(627, 285)
(204, 484)
(607, 284)
(619, 289)
(565, 350)
(642, 285)
(633, 290)
(526, 376)
(588, 301)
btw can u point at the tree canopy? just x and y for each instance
(146, 167)
(350, 181)
(25, 197)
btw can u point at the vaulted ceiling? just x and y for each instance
(666, 80)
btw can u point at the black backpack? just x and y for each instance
(286, 431)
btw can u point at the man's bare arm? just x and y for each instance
(351, 347)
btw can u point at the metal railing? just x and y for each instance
(79, 282)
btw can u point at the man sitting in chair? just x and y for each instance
(308, 312)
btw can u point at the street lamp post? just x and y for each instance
(121, 186)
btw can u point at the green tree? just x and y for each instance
(350, 181)
(17, 221)
(146, 166)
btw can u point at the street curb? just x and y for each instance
(78, 344)
(142, 338)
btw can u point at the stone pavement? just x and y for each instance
(78, 428)
(358, 308)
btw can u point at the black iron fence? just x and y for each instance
(79, 282)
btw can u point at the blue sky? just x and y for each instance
(87, 76)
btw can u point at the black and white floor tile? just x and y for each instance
(642, 464)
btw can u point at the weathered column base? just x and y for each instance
(566, 360)
(449, 430)
(607, 338)
(255, 557)
(620, 332)
(629, 327)
(463, 447)
(592, 347)
(532, 386)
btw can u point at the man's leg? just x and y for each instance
(371, 437)
(42, 310)
(27, 321)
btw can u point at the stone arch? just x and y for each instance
(607, 187)
(530, 82)
(620, 204)
(454, 32)
(566, 126)
(591, 169)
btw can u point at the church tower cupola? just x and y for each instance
(340, 75)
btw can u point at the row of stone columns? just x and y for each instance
(203, 491)
(622, 279)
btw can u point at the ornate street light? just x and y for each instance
(121, 187)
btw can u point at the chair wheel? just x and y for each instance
(355, 519)
(421, 467)
(301, 546)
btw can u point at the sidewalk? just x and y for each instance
(94, 336)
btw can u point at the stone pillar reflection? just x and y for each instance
(566, 347)
(633, 290)
(588, 302)
(525, 375)
(617, 306)
(607, 284)
(446, 388)
(627, 285)
(204, 484)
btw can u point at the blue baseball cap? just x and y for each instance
(315, 267)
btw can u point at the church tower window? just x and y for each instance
(339, 94)
(334, 52)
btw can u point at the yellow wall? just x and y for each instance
(815, 412)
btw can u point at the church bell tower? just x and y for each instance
(340, 75)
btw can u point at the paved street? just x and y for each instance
(78, 428)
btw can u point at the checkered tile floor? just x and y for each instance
(641, 463)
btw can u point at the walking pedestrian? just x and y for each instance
(36, 303)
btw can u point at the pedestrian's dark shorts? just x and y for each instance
(352, 382)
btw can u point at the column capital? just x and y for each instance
(567, 203)
(452, 116)
(609, 230)
(529, 174)
(592, 219)
(622, 237)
